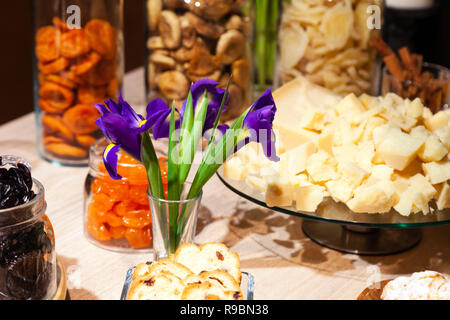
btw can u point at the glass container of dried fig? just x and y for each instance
(78, 62)
(190, 40)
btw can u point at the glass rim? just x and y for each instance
(175, 201)
(37, 202)
(437, 67)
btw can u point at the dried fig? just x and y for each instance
(211, 9)
(231, 46)
(57, 96)
(102, 37)
(169, 29)
(173, 85)
(203, 62)
(214, 76)
(74, 43)
(241, 71)
(47, 44)
(81, 118)
(206, 29)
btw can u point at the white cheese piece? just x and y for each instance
(444, 135)
(279, 192)
(414, 109)
(256, 183)
(234, 169)
(325, 141)
(443, 198)
(432, 149)
(437, 172)
(308, 198)
(373, 198)
(437, 121)
(321, 167)
(349, 106)
(382, 172)
(293, 161)
(351, 177)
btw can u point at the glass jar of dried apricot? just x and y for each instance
(78, 61)
(117, 214)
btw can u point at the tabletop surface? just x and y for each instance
(285, 263)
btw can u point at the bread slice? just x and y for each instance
(162, 286)
(218, 277)
(209, 257)
(208, 291)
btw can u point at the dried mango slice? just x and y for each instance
(113, 220)
(117, 232)
(47, 107)
(91, 95)
(47, 44)
(124, 207)
(86, 63)
(85, 140)
(139, 238)
(137, 219)
(102, 37)
(80, 119)
(66, 150)
(101, 74)
(101, 202)
(60, 79)
(98, 231)
(55, 66)
(74, 43)
(55, 125)
(58, 97)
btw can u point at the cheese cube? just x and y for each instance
(443, 198)
(421, 184)
(414, 109)
(444, 135)
(299, 180)
(381, 133)
(432, 149)
(371, 124)
(426, 114)
(349, 106)
(256, 183)
(373, 198)
(313, 119)
(321, 167)
(234, 169)
(293, 161)
(351, 176)
(368, 101)
(437, 121)
(382, 172)
(397, 119)
(279, 192)
(308, 198)
(325, 141)
(411, 202)
(437, 172)
(398, 149)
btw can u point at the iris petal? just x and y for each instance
(110, 160)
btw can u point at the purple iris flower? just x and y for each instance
(158, 111)
(122, 127)
(259, 121)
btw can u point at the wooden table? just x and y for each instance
(284, 262)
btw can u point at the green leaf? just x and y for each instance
(151, 164)
(172, 167)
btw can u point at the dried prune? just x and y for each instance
(15, 186)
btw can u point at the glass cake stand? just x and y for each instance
(335, 226)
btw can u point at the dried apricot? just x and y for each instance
(61, 25)
(101, 202)
(55, 66)
(66, 150)
(102, 37)
(61, 80)
(91, 95)
(55, 125)
(57, 96)
(99, 231)
(111, 89)
(101, 73)
(139, 238)
(46, 106)
(85, 140)
(124, 207)
(117, 232)
(81, 118)
(74, 43)
(138, 194)
(137, 219)
(85, 63)
(47, 44)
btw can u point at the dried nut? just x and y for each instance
(230, 46)
(154, 43)
(203, 62)
(169, 29)
(81, 119)
(188, 33)
(151, 76)
(154, 8)
(211, 9)
(235, 101)
(162, 60)
(174, 4)
(56, 126)
(241, 71)
(214, 76)
(173, 85)
(206, 29)
(234, 22)
(66, 150)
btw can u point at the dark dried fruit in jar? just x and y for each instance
(15, 185)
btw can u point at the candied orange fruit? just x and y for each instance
(119, 209)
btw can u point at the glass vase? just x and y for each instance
(174, 222)
(78, 62)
